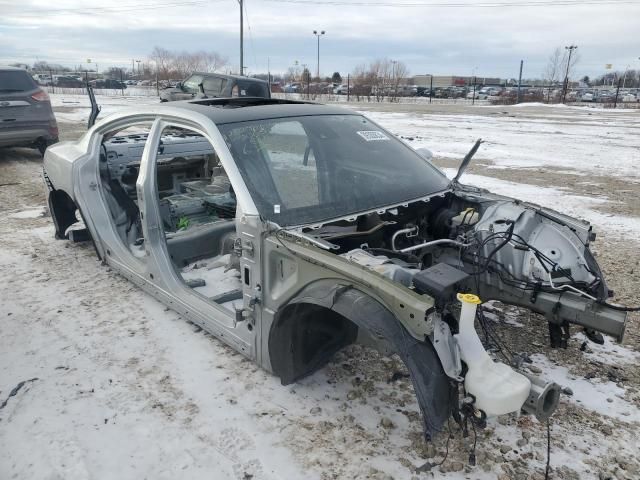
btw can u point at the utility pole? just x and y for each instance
(393, 78)
(473, 100)
(519, 81)
(318, 34)
(430, 88)
(241, 2)
(348, 88)
(571, 48)
(615, 102)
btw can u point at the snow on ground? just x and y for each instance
(597, 143)
(30, 213)
(574, 205)
(605, 398)
(77, 107)
(609, 353)
(126, 389)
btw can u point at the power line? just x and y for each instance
(481, 4)
(116, 9)
(253, 48)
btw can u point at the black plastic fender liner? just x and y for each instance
(431, 384)
(62, 210)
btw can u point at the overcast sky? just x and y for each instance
(432, 38)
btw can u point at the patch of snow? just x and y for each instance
(574, 205)
(610, 353)
(601, 143)
(31, 213)
(605, 398)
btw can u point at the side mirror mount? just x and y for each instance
(425, 153)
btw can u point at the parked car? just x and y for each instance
(42, 79)
(211, 85)
(341, 89)
(292, 88)
(68, 82)
(107, 84)
(26, 117)
(606, 96)
(629, 97)
(283, 229)
(588, 97)
(478, 95)
(420, 91)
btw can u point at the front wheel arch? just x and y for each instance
(328, 307)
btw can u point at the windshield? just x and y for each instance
(309, 169)
(13, 81)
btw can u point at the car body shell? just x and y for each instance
(286, 275)
(225, 86)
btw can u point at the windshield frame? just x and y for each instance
(289, 223)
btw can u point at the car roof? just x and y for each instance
(228, 76)
(15, 69)
(242, 109)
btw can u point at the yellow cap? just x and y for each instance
(469, 298)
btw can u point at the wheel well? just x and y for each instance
(330, 313)
(304, 337)
(63, 211)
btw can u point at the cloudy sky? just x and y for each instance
(435, 36)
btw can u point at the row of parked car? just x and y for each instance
(79, 81)
(605, 96)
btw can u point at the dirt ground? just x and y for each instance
(584, 443)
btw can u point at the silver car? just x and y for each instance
(26, 117)
(212, 85)
(291, 230)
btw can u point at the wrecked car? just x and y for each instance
(211, 85)
(290, 230)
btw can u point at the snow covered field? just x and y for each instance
(119, 387)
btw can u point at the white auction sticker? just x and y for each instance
(276, 209)
(373, 135)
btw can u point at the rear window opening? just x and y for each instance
(16, 81)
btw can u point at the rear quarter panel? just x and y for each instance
(58, 164)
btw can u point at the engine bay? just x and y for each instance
(492, 246)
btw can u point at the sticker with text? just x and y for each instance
(373, 135)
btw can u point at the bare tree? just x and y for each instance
(171, 64)
(552, 71)
(399, 73)
(163, 59)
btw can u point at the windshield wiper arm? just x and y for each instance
(467, 160)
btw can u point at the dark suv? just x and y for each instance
(107, 84)
(216, 85)
(26, 117)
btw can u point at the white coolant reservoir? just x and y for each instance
(497, 388)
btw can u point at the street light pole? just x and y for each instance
(571, 48)
(241, 37)
(393, 78)
(318, 35)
